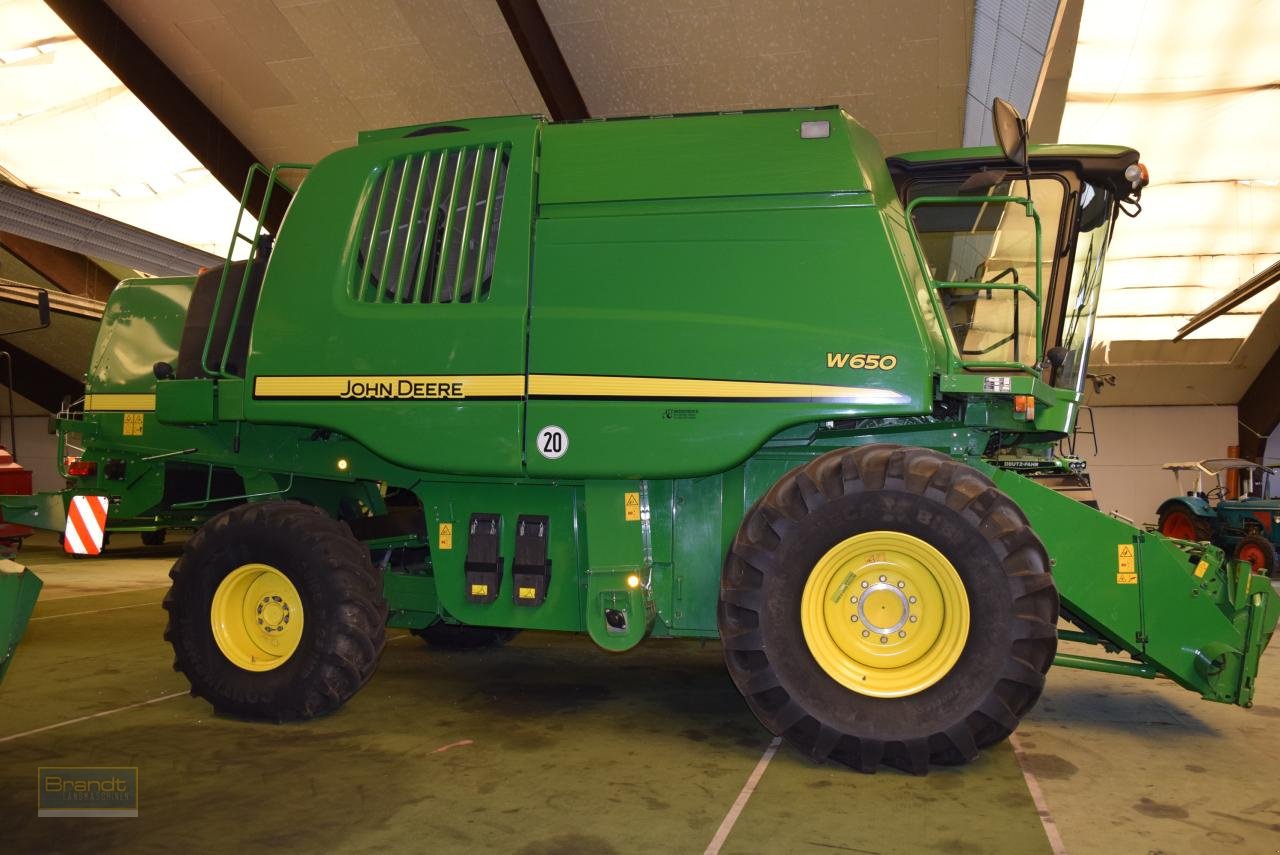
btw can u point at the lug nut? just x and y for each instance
(884, 578)
(854, 618)
(912, 618)
(866, 584)
(865, 633)
(902, 584)
(902, 633)
(911, 599)
(854, 599)
(884, 639)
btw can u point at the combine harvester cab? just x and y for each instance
(726, 376)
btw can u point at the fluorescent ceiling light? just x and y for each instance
(71, 131)
(1190, 85)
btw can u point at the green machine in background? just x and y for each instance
(730, 376)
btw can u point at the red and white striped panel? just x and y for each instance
(86, 523)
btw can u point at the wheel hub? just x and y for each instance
(885, 614)
(257, 617)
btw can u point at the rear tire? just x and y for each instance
(453, 636)
(154, 538)
(1260, 553)
(1178, 522)
(326, 606)
(908, 496)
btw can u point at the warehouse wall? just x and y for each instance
(38, 451)
(1134, 442)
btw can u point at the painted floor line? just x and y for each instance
(1037, 795)
(96, 611)
(722, 834)
(92, 715)
(459, 744)
(62, 595)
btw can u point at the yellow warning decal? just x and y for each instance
(631, 506)
(1126, 572)
(479, 590)
(1201, 569)
(133, 424)
(528, 593)
(446, 535)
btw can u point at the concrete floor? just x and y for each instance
(552, 746)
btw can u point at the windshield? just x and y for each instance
(1086, 285)
(988, 243)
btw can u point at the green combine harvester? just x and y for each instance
(730, 376)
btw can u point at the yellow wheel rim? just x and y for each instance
(256, 617)
(885, 614)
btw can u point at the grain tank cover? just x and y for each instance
(745, 154)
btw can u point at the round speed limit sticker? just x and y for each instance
(552, 442)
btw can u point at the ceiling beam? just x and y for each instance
(1258, 412)
(168, 99)
(538, 46)
(38, 381)
(70, 271)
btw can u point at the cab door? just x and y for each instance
(395, 300)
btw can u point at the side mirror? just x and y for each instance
(1010, 130)
(42, 307)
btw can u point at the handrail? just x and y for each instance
(273, 180)
(956, 358)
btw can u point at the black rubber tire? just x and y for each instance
(1002, 563)
(454, 636)
(154, 538)
(1202, 527)
(1266, 548)
(345, 613)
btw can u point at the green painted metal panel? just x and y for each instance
(758, 153)
(421, 349)
(19, 588)
(754, 296)
(141, 325)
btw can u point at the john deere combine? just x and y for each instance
(712, 375)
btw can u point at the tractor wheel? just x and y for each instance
(453, 636)
(1260, 554)
(888, 605)
(1179, 523)
(275, 612)
(153, 538)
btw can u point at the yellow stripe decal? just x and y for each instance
(464, 386)
(426, 387)
(573, 385)
(120, 402)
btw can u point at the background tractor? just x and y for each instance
(728, 375)
(1246, 527)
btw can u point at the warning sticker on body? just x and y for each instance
(631, 506)
(1126, 570)
(133, 424)
(446, 535)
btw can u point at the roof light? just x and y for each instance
(1137, 175)
(815, 130)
